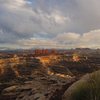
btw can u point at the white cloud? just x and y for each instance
(63, 22)
(90, 39)
(66, 40)
(67, 37)
(58, 18)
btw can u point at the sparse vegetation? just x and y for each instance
(88, 88)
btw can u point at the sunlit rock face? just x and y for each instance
(51, 73)
(44, 60)
(9, 63)
(2, 66)
(49, 60)
(15, 59)
(14, 67)
(1, 70)
(48, 64)
(76, 57)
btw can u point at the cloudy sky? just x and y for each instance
(49, 23)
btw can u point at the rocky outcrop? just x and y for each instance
(41, 87)
(34, 80)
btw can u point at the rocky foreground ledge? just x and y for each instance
(36, 87)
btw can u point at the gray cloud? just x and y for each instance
(59, 21)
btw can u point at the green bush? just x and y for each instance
(88, 89)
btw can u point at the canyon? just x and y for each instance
(44, 77)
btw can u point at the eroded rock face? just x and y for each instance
(41, 87)
(33, 80)
(13, 70)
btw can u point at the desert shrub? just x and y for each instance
(88, 89)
